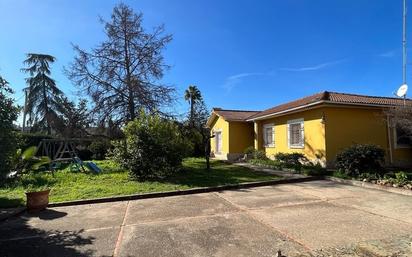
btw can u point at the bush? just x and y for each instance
(99, 148)
(255, 154)
(401, 178)
(267, 163)
(84, 153)
(315, 170)
(359, 159)
(194, 136)
(8, 114)
(26, 140)
(260, 155)
(249, 150)
(292, 160)
(154, 147)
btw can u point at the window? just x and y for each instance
(296, 134)
(269, 135)
(218, 142)
(402, 138)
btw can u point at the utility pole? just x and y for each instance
(404, 53)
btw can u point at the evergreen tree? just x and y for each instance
(43, 97)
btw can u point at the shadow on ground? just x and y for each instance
(21, 239)
(11, 202)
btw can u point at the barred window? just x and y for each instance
(296, 134)
(269, 135)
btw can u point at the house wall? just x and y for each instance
(346, 126)
(314, 135)
(220, 125)
(241, 136)
(236, 137)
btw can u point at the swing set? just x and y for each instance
(64, 151)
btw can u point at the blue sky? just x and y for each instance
(242, 54)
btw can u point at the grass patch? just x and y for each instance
(114, 181)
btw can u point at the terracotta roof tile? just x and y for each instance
(333, 97)
(234, 115)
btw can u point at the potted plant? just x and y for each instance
(37, 196)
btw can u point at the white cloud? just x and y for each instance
(234, 80)
(388, 54)
(314, 67)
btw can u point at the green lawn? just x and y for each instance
(114, 181)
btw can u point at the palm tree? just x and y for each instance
(192, 95)
(43, 97)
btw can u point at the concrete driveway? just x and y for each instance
(318, 218)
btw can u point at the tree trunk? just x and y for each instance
(132, 109)
(192, 124)
(206, 141)
(46, 109)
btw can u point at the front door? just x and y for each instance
(218, 140)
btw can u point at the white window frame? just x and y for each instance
(266, 126)
(302, 124)
(221, 140)
(395, 140)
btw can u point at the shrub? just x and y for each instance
(195, 137)
(268, 163)
(249, 150)
(8, 114)
(292, 160)
(154, 147)
(84, 153)
(401, 178)
(26, 140)
(255, 154)
(260, 155)
(369, 176)
(360, 158)
(99, 148)
(315, 170)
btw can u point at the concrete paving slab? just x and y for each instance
(62, 243)
(264, 197)
(386, 204)
(221, 235)
(65, 219)
(327, 189)
(6, 213)
(331, 219)
(176, 207)
(322, 225)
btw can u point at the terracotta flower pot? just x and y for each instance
(37, 201)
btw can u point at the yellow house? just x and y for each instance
(319, 126)
(232, 133)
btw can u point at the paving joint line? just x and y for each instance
(284, 206)
(329, 200)
(182, 219)
(319, 197)
(120, 235)
(369, 212)
(248, 213)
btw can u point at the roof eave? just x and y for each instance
(211, 119)
(314, 104)
(286, 111)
